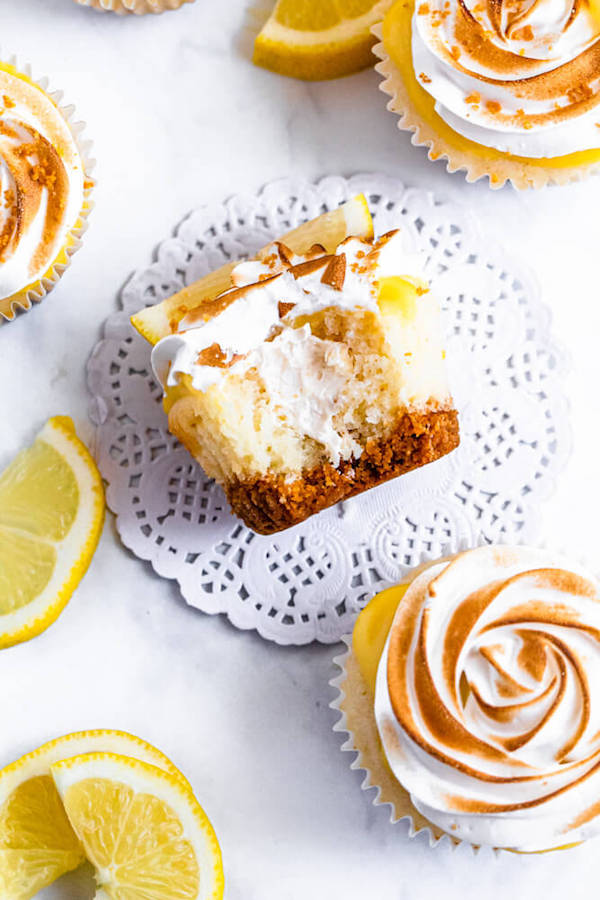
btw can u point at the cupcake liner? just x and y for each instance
(137, 7)
(357, 721)
(521, 174)
(354, 703)
(23, 300)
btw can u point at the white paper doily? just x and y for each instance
(309, 583)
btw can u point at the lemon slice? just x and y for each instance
(37, 843)
(51, 514)
(317, 39)
(328, 229)
(141, 828)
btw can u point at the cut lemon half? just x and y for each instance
(51, 514)
(317, 39)
(328, 229)
(141, 828)
(37, 843)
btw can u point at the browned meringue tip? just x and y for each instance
(521, 175)
(23, 300)
(135, 7)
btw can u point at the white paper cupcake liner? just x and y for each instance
(354, 703)
(137, 7)
(24, 300)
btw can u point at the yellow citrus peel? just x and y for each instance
(319, 39)
(51, 515)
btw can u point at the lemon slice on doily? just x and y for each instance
(328, 229)
(51, 514)
(37, 843)
(141, 828)
(317, 39)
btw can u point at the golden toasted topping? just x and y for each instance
(214, 356)
(484, 41)
(310, 266)
(508, 663)
(284, 308)
(38, 173)
(335, 273)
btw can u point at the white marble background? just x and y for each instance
(179, 116)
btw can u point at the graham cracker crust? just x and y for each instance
(269, 503)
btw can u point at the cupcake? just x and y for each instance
(139, 7)
(313, 377)
(45, 188)
(508, 91)
(468, 692)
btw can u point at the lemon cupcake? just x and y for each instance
(139, 7)
(508, 91)
(314, 377)
(45, 189)
(469, 694)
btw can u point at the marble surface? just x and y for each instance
(179, 116)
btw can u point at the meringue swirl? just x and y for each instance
(41, 182)
(521, 76)
(488, 698)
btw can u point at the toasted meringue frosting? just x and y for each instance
(256, 325)
(41, 182)
(487, 698)
(521, 76)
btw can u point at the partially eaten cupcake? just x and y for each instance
(312, 378)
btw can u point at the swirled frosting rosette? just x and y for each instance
(44, 189)
(139, 7)
(486, 700)
(504, 88)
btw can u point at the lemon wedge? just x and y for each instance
(51, 514)
(317, 39)
(329, 229)
(141, 828)
(37, 843)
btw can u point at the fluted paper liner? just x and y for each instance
(522, 175)
(138, 7)
(24, 299)
(355, 703)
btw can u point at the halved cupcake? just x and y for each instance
(313, 375)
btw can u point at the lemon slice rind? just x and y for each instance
(316, 55)
(24, 867)
(74, 552)
(38, 762)
(97, 768)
